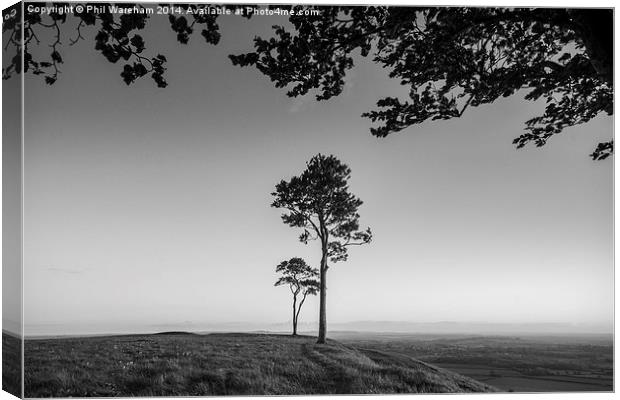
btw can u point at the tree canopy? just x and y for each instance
(319, 202)
(452, 59)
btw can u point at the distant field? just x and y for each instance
(224, 364)
(562, 363)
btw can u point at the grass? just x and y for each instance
(224, 364)
(11, 364)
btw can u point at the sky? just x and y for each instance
(148, 208)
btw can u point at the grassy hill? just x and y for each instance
(11, 363)
(224, 364)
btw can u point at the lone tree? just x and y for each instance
(319, 202)
(301, 279)
(452, 59)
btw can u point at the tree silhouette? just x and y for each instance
(301, 279)
(319, 202)
(452, 59)
(116, 39)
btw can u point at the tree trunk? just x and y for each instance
(323, 295)
(294, 315)
(301, 303)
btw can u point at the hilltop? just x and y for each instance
(225, 364)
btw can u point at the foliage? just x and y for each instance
(301, 279)
(298, 275)
(452, 58)
(116, 39)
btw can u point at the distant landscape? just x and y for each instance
(519, 363)
(309, 328)
(181, 363)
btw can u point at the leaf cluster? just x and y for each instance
(451, 58)
(318, 52)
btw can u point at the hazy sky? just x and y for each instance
(147, 206)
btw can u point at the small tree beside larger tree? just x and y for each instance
(319, 202)
(301, 279)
